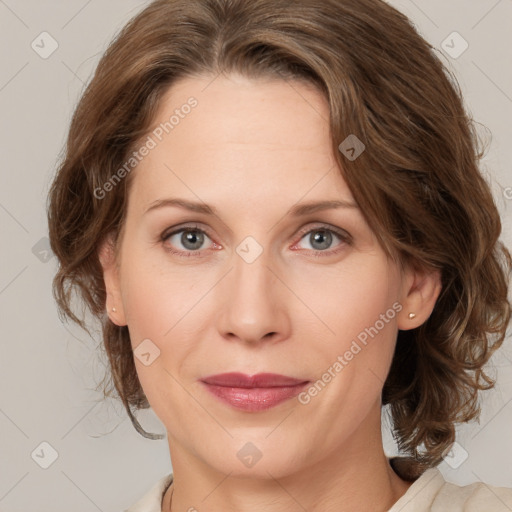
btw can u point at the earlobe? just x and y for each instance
(421, 291)
(107, 258)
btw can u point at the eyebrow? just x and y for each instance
(295, 211)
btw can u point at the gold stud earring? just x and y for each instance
(412, 315)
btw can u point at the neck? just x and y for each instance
(355, 477)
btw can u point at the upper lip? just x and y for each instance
(260, 380)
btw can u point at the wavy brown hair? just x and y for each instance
(418, 182)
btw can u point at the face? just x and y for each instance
(261, 285)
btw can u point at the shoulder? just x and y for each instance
(475, 497)
(151, 501)
(432, 493)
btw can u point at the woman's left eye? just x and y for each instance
(320, 240)
(192, 239)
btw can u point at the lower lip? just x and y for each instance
(255, 399)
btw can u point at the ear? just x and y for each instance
(106, 255)
(420, 291)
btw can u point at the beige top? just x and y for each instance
(429, 493)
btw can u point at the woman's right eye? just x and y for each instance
(189, 241)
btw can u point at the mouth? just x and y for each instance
(253, 393)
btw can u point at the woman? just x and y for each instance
(275, 210)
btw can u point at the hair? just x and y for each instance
(418, 181)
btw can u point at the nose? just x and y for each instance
(253, 301)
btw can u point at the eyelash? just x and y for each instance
(342, 235)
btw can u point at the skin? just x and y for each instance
(253, 149)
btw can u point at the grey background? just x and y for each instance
(48, 371)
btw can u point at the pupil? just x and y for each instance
(192, 238)
(325, 235)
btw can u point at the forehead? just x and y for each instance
(238, 110)
(239, 135)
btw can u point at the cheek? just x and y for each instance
(358, 304)
(350, 297)
(155, 301)
(161, 307)
(156, 308)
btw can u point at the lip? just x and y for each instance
(253, 393)
(260, 380)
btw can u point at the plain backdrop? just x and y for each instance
(95, 459)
